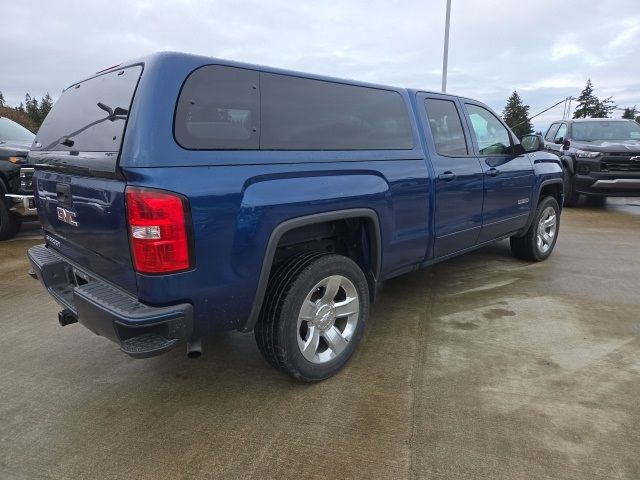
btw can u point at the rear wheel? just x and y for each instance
(538, 243)
(9, 223)
(314, 316)
(571, 197)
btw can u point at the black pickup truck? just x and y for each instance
(600, 157)
(16, 191)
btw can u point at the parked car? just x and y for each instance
(182, 195)
(16, 193)
(600, 157)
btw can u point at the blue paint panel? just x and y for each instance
(100, 240)
(235, 209)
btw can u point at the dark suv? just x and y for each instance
(600, 157)
(16, 192)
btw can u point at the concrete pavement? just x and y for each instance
(483, 367)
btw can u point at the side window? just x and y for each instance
(446, 127)
(562, 133)
(305, 114)
(218, 109)
(551, 133)
(492, 137)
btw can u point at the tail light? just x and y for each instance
(158, 231)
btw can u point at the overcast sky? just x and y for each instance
(544, 49)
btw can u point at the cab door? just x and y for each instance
(458, 175)
(508, 177)
(556, 143)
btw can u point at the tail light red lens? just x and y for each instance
(158, 231)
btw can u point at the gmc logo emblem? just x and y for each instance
(67, 216)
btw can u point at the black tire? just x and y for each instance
(277, 329)
(9, 223)
(526, 247)
(571, 197)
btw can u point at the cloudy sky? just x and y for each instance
(544, 49)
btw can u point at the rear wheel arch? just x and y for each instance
(293, 231)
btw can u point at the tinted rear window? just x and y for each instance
(303, 114)
(228, 108)
(218, 109)
(90, 116)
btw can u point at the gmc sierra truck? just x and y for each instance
(182, 195)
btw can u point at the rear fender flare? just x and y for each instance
(293, 223)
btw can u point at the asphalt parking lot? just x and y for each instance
(482, 367)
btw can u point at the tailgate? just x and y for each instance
(78, 188)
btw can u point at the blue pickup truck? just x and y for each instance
(182, 195)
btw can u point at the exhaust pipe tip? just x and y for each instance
(194, 348)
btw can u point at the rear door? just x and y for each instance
(508, 178)
(458, 176)
(79, 191)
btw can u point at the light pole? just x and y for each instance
(445, 56)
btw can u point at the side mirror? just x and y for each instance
(559, 141)
(532, 143)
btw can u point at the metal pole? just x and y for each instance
(445, 58)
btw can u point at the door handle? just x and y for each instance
(493, 172)
(447, 176)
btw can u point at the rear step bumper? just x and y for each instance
(140, 330)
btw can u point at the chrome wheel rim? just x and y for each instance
(547, 229)
(328, 319)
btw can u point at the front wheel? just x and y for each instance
(315, 311)
(537, 244)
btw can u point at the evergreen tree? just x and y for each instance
(1, 100)
(45, 105)
(604, 108)
(590, 106)
(587, 102)
(20, 108)
(516, 115)
(630, 113)
(31, 106)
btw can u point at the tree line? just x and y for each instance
(30, 113)
(516, 113)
